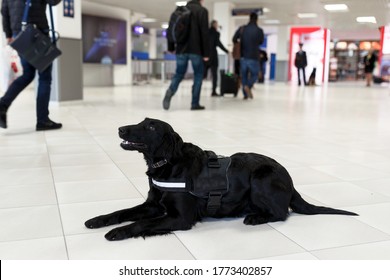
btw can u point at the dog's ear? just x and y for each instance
(174, 145)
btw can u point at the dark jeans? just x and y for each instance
(44, 88)
(249, 72)
(214, 74)
(181, 69)
(299, 75)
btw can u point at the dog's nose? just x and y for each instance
(122, 131)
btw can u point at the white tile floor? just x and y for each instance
(334, 140)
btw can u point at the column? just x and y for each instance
(222, 12)
(68, 68)
(152, 43)
(282, 56)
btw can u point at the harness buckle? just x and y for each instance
(214, 202)
(213, 162)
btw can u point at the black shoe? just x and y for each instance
(214, 94)
(49, 125)
(3, 116)
(198, 107)
(167, 99)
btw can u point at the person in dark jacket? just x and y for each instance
(213, 61)
(369, 65)
(12, 12)
(263, 64)
(196, 49)
(251, 37)
(301, 63)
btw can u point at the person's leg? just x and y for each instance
(299, 76)
(369, 78)
(19, 84)
(181, 68)
(206, 69)
(43, 99)
(197, 66)
(214, 74)
(43, 96)
(244, 75)
(237, 70)
(14, 89)
(304, 76)
(254, 69)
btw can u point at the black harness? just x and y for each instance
(212, 182)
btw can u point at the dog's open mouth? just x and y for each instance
(127, 145)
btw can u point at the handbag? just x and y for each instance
(35, 46)
(236, 53)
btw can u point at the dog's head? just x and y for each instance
(154, 138)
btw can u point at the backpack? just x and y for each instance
(179, 25)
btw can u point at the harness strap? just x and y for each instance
(212, 160)
(214, 202)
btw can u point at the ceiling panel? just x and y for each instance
(282, 10)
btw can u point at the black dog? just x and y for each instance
(188, 184)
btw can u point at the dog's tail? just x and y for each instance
(300, 206)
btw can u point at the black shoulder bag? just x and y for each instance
(33, 45)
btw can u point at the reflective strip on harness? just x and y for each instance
(169, 185)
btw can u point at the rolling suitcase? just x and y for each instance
(229, 83)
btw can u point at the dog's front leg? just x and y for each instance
(144, 211)
(181, 215)
(156, 226)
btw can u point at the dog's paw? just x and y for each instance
(96, 222)
(117, 234)
(254, 220)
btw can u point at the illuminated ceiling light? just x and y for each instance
(366, 19)
(307, 15)
(165, 25)
(336, 7)
(181, 3)
(271, 21)
(148, 20)
(266, 10)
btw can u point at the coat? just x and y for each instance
(198, 40)
(12, 12)
(300, 59)
(214, 43)
(251, 37)
(369, 63)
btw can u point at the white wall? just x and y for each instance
(122, 73)
(222, 13)
(66, 26)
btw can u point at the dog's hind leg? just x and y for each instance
(144, 211)
(269, 200)
(261, 218)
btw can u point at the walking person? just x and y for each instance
(251, 36)
(12, 12)
(263, 64)
(213, 61)
(195, 49)
(300, 64)
(369, 65)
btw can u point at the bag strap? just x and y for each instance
(25, 18)
(25, 13)
(53, 33)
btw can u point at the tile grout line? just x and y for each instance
(58, 205)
